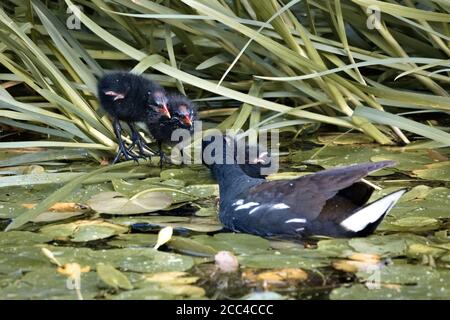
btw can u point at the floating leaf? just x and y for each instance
(189, 176)
(206, 212)
(390, 245)
(137, 240)
(411, 224)
(191, 247)
(83, 230)
(127, 259)
(47, 284)
(203, 190)
(342, 139)
(406, 161)
(113, 277)
(435, 171)
(116, 203)
(417, 250)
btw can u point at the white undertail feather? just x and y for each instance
(372, 212)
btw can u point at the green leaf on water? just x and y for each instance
(410, 224)
(116, 203)
(83, 230)
(435, 171)
(113, 277)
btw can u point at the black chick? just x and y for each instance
(131, 98)
(182, 116)
(328, 203)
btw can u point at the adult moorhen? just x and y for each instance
(328, 203)
(131, 98)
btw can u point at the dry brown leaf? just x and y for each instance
(279, 276)
(365, 257)
(61, 207)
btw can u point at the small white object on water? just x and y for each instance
(164, 236)
(226, 261)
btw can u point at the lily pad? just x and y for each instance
(136, 240)
(113, 277)
(188, 175)
(21, 259)
(435, 205)
(52, 216)
(83, 230)
(132, 187)
(239, 243)
(206, 212)
(31, 285)
(22, 238)
(343, 139)
(406, 161)
(191, 247)
(335, 247)
(116, 203)
(435, 171)
(389, 245)
(418, 250)
(279, 261)
(127, 259)
(411, 224)
(203, 190)
(333, 156)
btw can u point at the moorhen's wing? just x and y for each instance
(306, 196)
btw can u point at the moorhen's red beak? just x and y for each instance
(165, 111)
(116, 95)
(187, 121)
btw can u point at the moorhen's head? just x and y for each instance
(157, 102)
(183, 111)
(115, 87)
(251, 159)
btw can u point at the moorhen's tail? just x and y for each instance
(364, 221)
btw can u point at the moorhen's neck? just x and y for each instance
(232, 180)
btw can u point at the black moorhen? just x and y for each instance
(183, 114)
(131, 98)
(328, 203)
(255, 161)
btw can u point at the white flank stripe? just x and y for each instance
(296, 220)
(246, 205)
(238, 203)
(371, 213)
(280, 206)
(254, 209)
